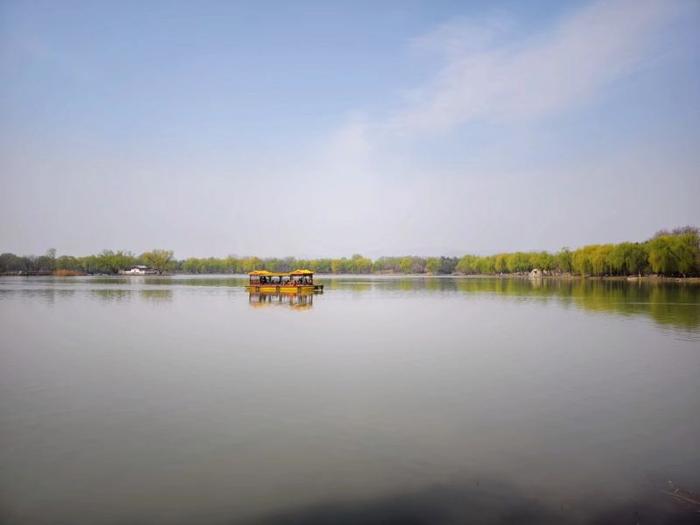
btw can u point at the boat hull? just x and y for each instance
(272, 288)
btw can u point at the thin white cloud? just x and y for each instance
(373, 185)
(553, 71)
(462, 34)
(368, 185)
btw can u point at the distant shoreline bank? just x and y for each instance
(672, 254)
(505, 276)
(619, 278)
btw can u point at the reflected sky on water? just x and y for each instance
(188, 400)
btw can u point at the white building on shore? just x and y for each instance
(139, 269)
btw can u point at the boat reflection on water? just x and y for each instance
(298, 301)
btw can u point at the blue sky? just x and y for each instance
(327, 128)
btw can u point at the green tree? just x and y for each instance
(158, 259)
(542, 260)
(600, 265)
(470, 264)
(675, 252)
(686, 249)
(360, 264)
(661, 257)
(518, 262)
(109, 261)
(562, 261)
(581, 260)
(405, 265)
(338, 265)
(432, 265)
(628, 258)
(11, 263)
(67, 262)
(486, 265)
(500, 264)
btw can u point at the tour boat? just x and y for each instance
(298, 281)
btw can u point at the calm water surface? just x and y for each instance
(384, 400)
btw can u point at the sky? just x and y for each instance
(323, 128)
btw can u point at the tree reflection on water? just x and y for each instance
(671, 304)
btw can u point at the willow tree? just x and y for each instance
(628, 258)
(686, 248)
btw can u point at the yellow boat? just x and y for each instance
(297, 282)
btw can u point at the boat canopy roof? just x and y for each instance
(298, 271)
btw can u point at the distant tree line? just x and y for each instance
(106, 262)
(670, 253)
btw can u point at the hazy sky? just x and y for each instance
(330, 128)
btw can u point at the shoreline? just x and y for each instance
(518, 276)
(569, 277)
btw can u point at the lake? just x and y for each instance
(178, 400)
